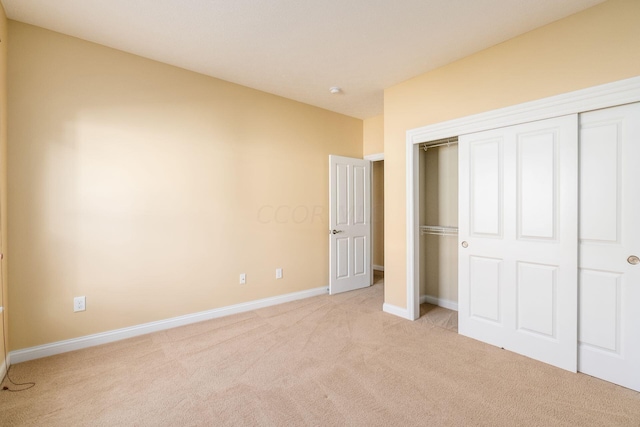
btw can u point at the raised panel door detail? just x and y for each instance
(484, 288)
(342, 206)
(599, 309)
(536, 185)
(342, 248)
(359, 255)
(359, 188)
(486, 187)
(536, 294)
(600, 182)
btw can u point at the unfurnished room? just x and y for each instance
(320, 213)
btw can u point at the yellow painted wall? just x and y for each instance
(596, 46)
(3, 174)
(149, 189)
(373, 135)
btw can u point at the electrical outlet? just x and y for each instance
(278, 273)
(79, 304)
(243, 278)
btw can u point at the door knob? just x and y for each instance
(633, 260)
(465, 245)
(336, 231)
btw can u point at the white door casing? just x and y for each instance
(609, 289)
(518, 235)
(349, 224)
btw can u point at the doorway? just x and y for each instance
(377, 219)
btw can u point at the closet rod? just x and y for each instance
(439, 230)
(439, 143)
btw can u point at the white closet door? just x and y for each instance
(609, 332)
(518, 235)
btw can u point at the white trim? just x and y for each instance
(3, 368)
(593, 98)
(441, 302)
(45, 350)
(580, 101)
(413, 216)
(374, 157)
(378, 267)
(396, 311)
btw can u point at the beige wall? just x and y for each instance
(377, 202)
(3, 174)
(373, 135)
(597, 46)
(149, 189)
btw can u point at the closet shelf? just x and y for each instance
(439, 230)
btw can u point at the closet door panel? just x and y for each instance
(534, 292)
(537, 185)
(609, 347)
(600, 303)
(600, 173)
(484, 288)
(485, 165)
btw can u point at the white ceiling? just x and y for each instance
(298, 49)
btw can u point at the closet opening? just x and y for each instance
(438, 231)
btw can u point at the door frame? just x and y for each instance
(593, 98)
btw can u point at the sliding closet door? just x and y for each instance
(610, 245)
(518, 239)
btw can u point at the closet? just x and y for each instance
(549, 263)
(439, 223)
(548, 239)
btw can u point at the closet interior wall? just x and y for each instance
(439, 207)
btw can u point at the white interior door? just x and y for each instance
(518, 230)
(609, 320)
(349, 224)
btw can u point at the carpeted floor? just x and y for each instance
(323, 361)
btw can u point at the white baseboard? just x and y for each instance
(378, 267)
(439, 301)
(397, 311)
(45, 350)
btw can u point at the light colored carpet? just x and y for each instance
(439, 316)
(328, 360)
